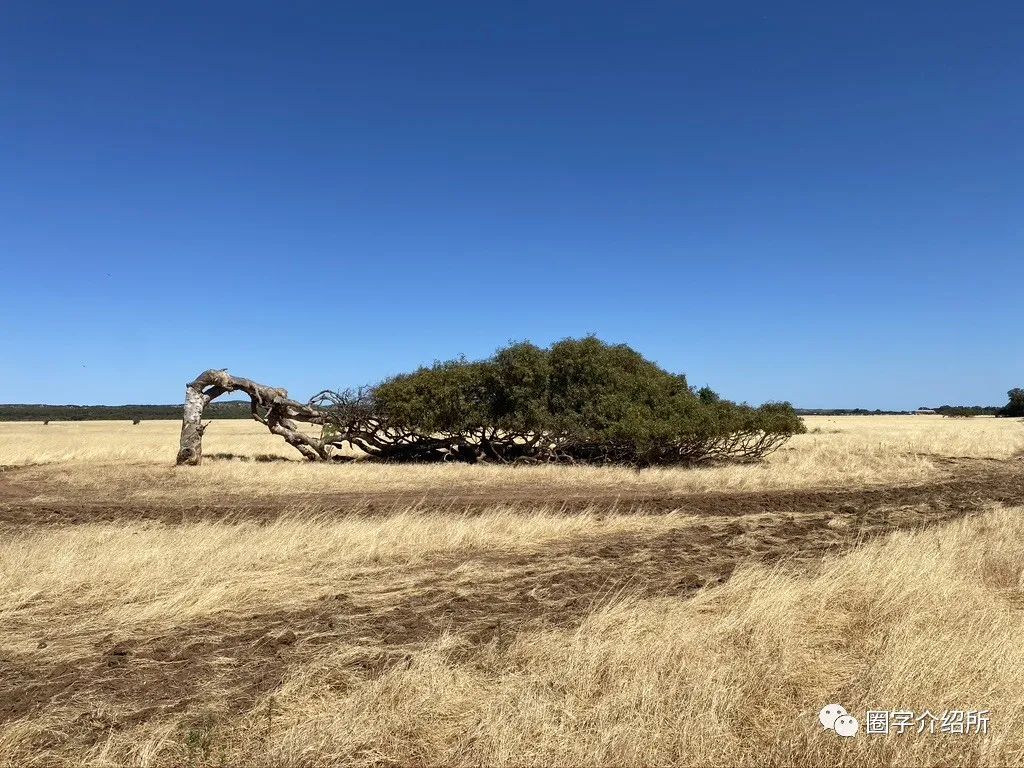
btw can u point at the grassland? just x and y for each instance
(259, 610)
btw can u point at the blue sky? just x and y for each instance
(782, 200)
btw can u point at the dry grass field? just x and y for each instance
(262, 611)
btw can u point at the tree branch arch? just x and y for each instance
(270, 406)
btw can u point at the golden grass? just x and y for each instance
(134, 462)
(149, 577)
(121, 441)
(733, 676)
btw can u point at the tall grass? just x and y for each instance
(924, 621)
(732, 676)
(133, 463)
(928, 620)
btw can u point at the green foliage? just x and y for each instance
(1015, 406)
(448, 397)
(582, 400)
(517, 383)
(965, 411)
(603, 393)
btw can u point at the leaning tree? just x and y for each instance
(579, 401)
(270, 406)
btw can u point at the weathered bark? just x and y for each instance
(270, 406)
(190, 448)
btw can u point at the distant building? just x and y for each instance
(925, 411)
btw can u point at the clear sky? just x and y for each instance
(817, 202)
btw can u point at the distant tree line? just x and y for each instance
(222, 410)
(966, 411)
(1015, 407)
(847, 412)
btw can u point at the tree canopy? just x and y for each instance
(580, 400)
(1015, 406)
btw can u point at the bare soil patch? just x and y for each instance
(226, 664)
(29, 500)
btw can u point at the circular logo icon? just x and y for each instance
(829, 714)
(846, 725)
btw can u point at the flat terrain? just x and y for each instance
(259, 610)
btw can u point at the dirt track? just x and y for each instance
(966, 483)
(245, 655)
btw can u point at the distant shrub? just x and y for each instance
(1015, 406)
(581, 400)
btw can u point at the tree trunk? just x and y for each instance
(190, 450)
(279, 415)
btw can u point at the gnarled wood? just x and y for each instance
(270, 406)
